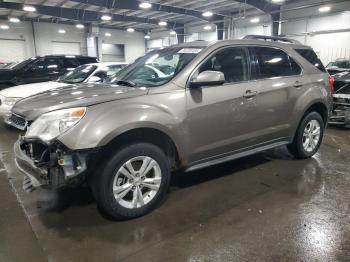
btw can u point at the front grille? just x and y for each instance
(17, 121)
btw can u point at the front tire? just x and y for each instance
(133, 182)
(308, 137)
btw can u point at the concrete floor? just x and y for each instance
(266, 207)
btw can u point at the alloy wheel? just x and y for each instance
(137, 182)
(311, 135)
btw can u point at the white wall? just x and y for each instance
(47, 38)
(327, 34)
(21, 31)
(161, 39)
(47, 33)
(243, 27)
(134, 43)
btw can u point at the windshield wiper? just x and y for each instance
(125, 83)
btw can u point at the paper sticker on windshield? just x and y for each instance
(190, 50)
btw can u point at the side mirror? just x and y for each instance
(208, 78)
(95, 79)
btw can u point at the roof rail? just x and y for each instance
(272, 38)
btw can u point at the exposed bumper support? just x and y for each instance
(60, 168)
(26, 165)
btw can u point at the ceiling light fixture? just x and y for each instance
(162, 23)
(255, 20)
(172, 32)
(106, 18)
(324, 9)
(14, 20)
(5, 27)
(61, 31)
(80, 26)
(207, 14)
(130, 30)
(29, 8)
(145, 5)
(108, 34)
(207, 27)
(147, 36)
(278, 1)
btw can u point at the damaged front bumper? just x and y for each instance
(48, 165)
(341, 110)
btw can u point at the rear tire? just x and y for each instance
(133, 181)
(308, 137)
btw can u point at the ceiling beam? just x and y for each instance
(84, 16)
(134, 5)
(262, 5)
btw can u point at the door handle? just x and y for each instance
(297, 84)
(250, 94)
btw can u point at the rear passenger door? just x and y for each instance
(279, 84)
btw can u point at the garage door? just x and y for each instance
(66, 48)
(113, 53)
(12, 50)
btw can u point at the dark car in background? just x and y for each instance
(341, 99)
(41, 69)
(341, 65)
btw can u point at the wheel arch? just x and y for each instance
(150, 135)
(320, 108)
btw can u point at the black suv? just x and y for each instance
(41, 69)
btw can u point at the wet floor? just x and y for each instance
(267, 207)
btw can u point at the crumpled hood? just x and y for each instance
(73, 96)
(30, 89)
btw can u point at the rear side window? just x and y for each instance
(87, 60)
(311, 56)
(273, 62)
(70, 63)
(48, 64)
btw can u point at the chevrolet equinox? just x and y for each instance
(188, 106)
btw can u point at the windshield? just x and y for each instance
(23, 63)
(78, 75)
(156, 68)
(340, 64)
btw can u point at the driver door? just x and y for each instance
(218, 116)
(43, 70)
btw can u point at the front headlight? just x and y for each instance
(10, 101)
(53, 124)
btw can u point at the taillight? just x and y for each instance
(331, 84)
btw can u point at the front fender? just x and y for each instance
(102, 123)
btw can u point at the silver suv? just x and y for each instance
(184, 107)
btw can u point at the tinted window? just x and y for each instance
(233, 62)
(342, 64)
(47, 64)
(86, 60)
(311, 56)
(274, 62)
(112, 69)
(78, 75)
(70, 63)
